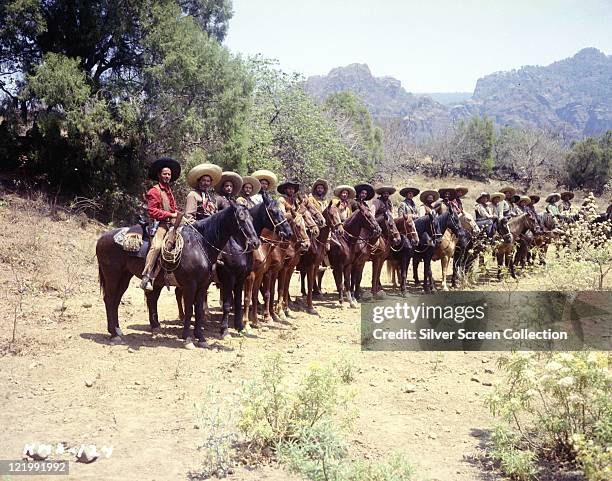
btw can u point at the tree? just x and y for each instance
(589, 163)
(473, 147)
(400, 154)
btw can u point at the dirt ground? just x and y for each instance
(61, 380)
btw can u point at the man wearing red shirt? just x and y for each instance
(162, 207)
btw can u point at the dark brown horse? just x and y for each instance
(505, 251)
(202, 242)
(399, 259)
(357, 231)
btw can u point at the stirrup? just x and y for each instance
(146, 284)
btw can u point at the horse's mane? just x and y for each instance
(212, 227)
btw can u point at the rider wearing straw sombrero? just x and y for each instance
(566, 206)
(551, 206)
(288, 199)
(485, 218)
(201, 201)
(460, 191)
(407, 206)
(250, 187)
(427, 197)
(227, 188)
(382, 203)
(343, 196)
(162, 208)
(319, 190)
(506, 205)
(497, 204)
(268, 182)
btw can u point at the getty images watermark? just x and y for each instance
(491, 321)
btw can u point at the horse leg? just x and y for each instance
(278, 312)
(310, 272)
(339, 284)
(112, 298)
(415, 270)
(318, 285)
(268, 288)
(444, 261)
(199, 315)
(238, 286)
(403, 272)
(347, 286)
(188, 301)
(303, 275)
(152, 297)
(226, 299)
(247, 295)
(178, 293)
(426, 277)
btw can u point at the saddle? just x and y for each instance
(136, 240)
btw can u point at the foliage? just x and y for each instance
(552, 402)
(474, 143)
(289, 132)
(505, 450)
(303, 426)
(589, 163)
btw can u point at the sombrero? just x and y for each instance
(425, 193)
(461, 190)
(515, 198)
(212, 170)
(534, 198)
(509, 189)
(365, 186)
(249, 179)
(405, 191)
(384, 188)
(555, 195)
(288, 183)
(525, 198)
(483, 194)
(162, 162)
(338, 190)
(497, 195)
(568, 194)
(268, 175)
(234, 178)
(453, 192)
(322, 182)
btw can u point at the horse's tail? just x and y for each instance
(101, 280)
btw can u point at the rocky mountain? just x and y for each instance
(572, 97)
(447, 98)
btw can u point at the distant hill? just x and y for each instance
(447, 98)
(572, 96)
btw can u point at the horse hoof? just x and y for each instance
(156, 330)
(289, 314)
(203, 344)
(116, 340)
(226, 335)
(189, 344)
(318, 296)
(445, 288)
(312, 311)
(354, 304)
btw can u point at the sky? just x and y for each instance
(429, 45)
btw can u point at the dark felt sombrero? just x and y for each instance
(567, 195)
(405, 191)
(534, 198)
(554, 197)
(426, 193)
(367, 187)
(162, 162)
(282, 188)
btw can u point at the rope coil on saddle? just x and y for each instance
(171, 258)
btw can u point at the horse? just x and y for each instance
(453, 235)
(203, 240)
(267, 260)
(463, 259)
(430, 236)
(504, 252)
(349, 242)
(400, 257)
(237, 261)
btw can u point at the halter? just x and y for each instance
(221, 251)
(274, 224)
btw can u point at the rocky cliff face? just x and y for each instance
(572, 96)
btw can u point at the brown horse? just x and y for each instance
(356, 232)
(505, 251)
(399, 258)
(267, 261)
(203, 240)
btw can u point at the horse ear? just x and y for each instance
(266, 198)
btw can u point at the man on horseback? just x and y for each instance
(407, 206)
(507, 206)
(447, 195)
(484, 216)
(382, 203)
(427, 197)
(227, 188)
(343, 196)
(268, 182)
(498, 204)
(460, 191)
(288, 200)
(201, 201)
(566, 206)
(316, 198)
(161, 207)
(552, 207)
(365, 192)
(250, 188)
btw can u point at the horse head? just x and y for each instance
(311, 225)
(244, 223)
(410, 230)
(315, 213)
(469, 224)
(454, 224)
(278, 222)
(331, 213)
(391, 230)
(370, 221)
(504, 230)
(298, 225)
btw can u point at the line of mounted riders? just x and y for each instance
(235, 233)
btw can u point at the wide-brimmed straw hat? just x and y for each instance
(162, 162)
(525, 198)
(322, 182)
(268, 175)
(483, 194)
(212, 170)
(338, 190)
(442, 192)
(249, 179)
(405, 191)
(509, 189)
(461, 190)
(568, 194)
(534, 198)
(282, 188)
(555, 195)
(381, 188)
(426, 193)
(234, 178)
(497, 195)
(367, 187)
